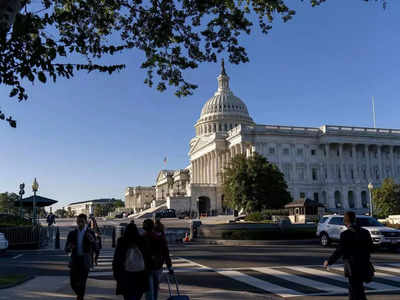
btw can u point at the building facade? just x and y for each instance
(87, 207)
(139, 198)
(330, 164)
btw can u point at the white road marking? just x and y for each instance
(17, 256)
(372, 285)
(261, 284)
(301, 280)
(389, 269)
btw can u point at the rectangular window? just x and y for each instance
(365, 174)
(302, 195)
(271, 150)
(352, 173)
(299, 152)
(313, 152)
(314, 174)
(286, 151)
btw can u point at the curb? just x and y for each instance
(257, 242)
(28, 277)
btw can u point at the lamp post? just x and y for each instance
(35, 187)
(370, 188)
(21, 193)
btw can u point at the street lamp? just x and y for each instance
(35, 187)
(370, 188)
(21, 193)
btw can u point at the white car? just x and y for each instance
(3, 242)
(330, 227)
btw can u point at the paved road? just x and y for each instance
(222, 272)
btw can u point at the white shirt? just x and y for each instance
(79, 246)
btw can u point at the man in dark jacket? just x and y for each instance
(159, 252)
(355, 248)
(80, 243)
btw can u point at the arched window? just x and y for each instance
(226, 127)
(338, 199)
(350, 197)
(364, 200)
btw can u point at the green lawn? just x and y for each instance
(12, 279)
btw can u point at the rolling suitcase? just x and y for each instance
(179, 296)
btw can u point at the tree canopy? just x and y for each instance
(42, 39)
(254, 184)
(386, 199)
(7, 203)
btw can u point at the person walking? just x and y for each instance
(51, 220)
(80, 243)
(97, 247)
(130, 264)
(95, 228)
(355, 248)
(158, 246)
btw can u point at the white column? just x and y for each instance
(379, 153)
(368, 171)
(342, 172)
(391, 149)
(355, 167)
(328, 179)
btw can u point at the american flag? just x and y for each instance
(165, 160)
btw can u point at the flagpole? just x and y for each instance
(373, 111)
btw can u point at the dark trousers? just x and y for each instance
(78, 276)
(134, 296)
(356, 289)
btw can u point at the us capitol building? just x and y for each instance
(330, 164)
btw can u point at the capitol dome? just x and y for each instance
(223, 111)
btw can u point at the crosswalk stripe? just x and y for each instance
(319, 273)
(301, 280)
(308, 280)
(261, 284)
(373, 285)
(388, 269)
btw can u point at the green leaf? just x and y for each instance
(13, 92)
(42, 77)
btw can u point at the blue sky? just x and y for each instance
(94, 135)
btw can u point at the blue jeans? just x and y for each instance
(154, 283)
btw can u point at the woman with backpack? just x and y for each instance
(130, 265)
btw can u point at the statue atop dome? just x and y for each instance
(223, 79)
(223, 67)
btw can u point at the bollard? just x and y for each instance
(113, 237)
(57, 241)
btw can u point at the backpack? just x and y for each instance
(134, 261)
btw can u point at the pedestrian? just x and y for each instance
(51, 220)
(95, 228)
(80, 243)
(130, 264)
(158, 247)
(354, 247)
(97, 247)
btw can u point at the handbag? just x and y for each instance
(370, 273)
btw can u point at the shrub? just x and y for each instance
(263, 215)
